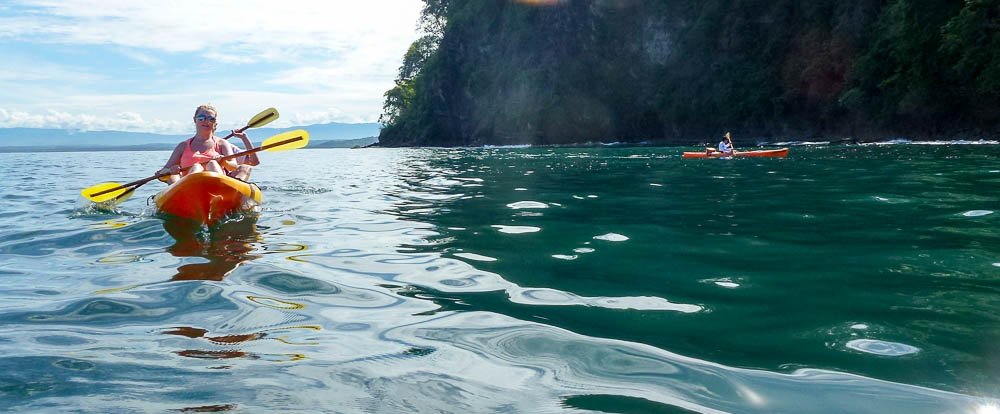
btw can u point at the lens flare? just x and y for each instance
(988, 409)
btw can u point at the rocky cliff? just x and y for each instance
(678, 72)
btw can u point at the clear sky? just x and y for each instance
(145, 65)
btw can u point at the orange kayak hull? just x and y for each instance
(776, 153)
(206, 197)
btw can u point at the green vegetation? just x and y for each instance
(682, 71)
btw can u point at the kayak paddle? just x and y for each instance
(282, 142)
(263, 118)
(120, 192)
(111, 190)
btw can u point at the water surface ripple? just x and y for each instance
(841, 279)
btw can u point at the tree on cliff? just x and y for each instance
(502, 72)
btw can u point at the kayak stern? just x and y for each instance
(775, 153)
(206, 197)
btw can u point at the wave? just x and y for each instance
(895, 141)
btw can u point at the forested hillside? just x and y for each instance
(683, 71)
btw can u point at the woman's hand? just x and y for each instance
(228, 164)
(173, 169)
(249, 159)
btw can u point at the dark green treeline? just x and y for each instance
(683, 71)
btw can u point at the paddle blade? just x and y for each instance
(124, 196)
(263, 118)
(89, 192)
(286, 141)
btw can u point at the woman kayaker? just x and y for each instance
(725, 146)
(199, 152)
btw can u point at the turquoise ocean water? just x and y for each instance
(842, 279)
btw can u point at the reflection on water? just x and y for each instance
(209, 408)
(200, 333)
(225, 246)
(530, 280)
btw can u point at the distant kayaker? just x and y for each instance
(725, 146)
(199, 152)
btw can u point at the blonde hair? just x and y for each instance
(206, 107)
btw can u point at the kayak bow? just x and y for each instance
(206, 197)
(777, 153)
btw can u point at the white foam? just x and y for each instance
(476, 257)
(516, 229)
(884, 348)
(552, 297)
(506, 146)
(613, 237)
(954, 142)
(790, 143)
(977, 213)
(527, 204)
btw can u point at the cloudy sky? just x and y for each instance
(145, 65)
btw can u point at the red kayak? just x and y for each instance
(775, 153)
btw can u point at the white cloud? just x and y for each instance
(271, 29)
(235, 109)
(323, 117)
(232, 58)
(295, 108)
(316, 61)
(141, 57)
(19, 70)
(125, 121)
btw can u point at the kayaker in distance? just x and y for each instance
(199, 152)
(725, 146)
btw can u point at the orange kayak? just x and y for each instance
(206, 197)
(777, 153)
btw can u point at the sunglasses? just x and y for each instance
(203, 117)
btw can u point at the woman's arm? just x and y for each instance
(173, 163)
(228, 149)
(249, 159)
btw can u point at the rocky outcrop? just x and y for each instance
(678, 72)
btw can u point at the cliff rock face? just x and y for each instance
(572, 71)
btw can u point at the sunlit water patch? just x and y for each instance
(884, 348)
(516, 229)
(527, 204)
(977, 213)
(612, 237)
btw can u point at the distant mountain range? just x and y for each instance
(320, 135)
